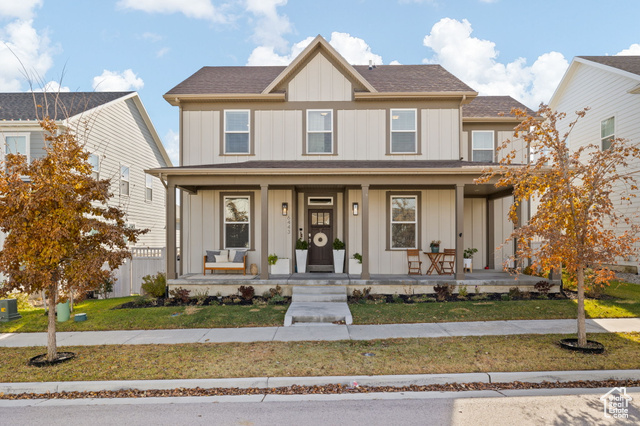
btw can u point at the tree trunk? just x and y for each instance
(52, 347)
(582, 327)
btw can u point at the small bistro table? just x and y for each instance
(435, 259)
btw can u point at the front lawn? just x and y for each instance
(342, 358)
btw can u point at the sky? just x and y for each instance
(498, 47)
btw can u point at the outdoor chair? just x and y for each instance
(448, 261)
(415, 264)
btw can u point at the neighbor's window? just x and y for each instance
(403, 131)
(94, 160)
(148, 184)
(607, 132)
(17, 144)
(320, 131)
(482, 146)
(237, 220)
(236, 132)
(124, 180)
(404, 222)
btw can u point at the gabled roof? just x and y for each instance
(267, 82)
(58, 106)
(627, 66)
(492, 108)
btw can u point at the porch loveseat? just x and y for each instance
(227, 260)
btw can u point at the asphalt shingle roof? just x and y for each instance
(492, 106)
(22, 106)
(384, 78)
(626, 63)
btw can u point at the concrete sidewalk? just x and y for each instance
(319, 332)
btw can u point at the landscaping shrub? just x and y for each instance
(275, 291)
(463, 292)
(276, 299)
(543, 287)
(361, 294)
(247, 292)
(444, 291)
(180, 295)
(155, 285)
(105, 287)
(515, 293)
(201, 296)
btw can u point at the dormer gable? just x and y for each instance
(319, 73)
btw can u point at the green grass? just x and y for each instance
(392, 356)
(100, 316)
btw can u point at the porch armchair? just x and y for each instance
(448, 262)
(415, 264)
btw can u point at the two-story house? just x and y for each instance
(118, 133)
(382, 157)
(610, 87)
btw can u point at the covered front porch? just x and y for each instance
(480, 281)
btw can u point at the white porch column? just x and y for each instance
(171, 231)
(264, 231)
(459, 231)
(365, 233)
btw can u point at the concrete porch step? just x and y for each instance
(319, 294)
(318, 312)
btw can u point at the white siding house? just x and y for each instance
(610, 87)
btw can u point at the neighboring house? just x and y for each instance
(383, 158)
(119, 135)
(610, 87)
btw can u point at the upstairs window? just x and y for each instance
(17, 144)
(482, 146)
(403, 131)
(148, 185)
(320, 131)
(124, 180)
(607, 132)
(236, 132)
(94, 160)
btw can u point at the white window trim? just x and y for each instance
(248, 131)
(28, 143)
(330, 111)
(493, 139)
(123, 180)
(392, 222)
(415, 130)
(148, 179)
(225, 223)
(613, 135)
(98, 169)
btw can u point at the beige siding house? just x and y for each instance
(383, 158)
(119, 135)
(610, 87)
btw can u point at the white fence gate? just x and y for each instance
(144, 261)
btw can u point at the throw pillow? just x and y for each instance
(222, 258)
(211, 255)
(240, 254)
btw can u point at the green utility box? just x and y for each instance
(9, 310)
(63, 312)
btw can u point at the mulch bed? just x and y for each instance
(323, 390)
(144, 302)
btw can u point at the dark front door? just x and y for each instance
(321, 237)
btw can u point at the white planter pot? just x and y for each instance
(355, 267)
(301, 260)
(467, 263)
(338, 261)
(281, 267)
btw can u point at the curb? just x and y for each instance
(273, 382)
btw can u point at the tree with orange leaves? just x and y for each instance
(60, 230)
(575, 221)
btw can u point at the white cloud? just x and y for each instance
(152, 37)
(475, 62)
(23, 50)
(394, 62)
(199, 9)
(355, 51)
(112, 81)
(171, 144)
(633, 50)
(270, 26)
(21, 9)
(52, 87)
(160, 53)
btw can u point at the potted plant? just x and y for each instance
(302, 247)
(467, 254)
(355, 264)
(435, 246)
(338, 256)
(279, 266)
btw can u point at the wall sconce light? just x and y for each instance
(354, 209)
(285, 209)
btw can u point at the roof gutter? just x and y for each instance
(176, 99)
(414, 95)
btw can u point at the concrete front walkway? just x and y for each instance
(320, 332)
